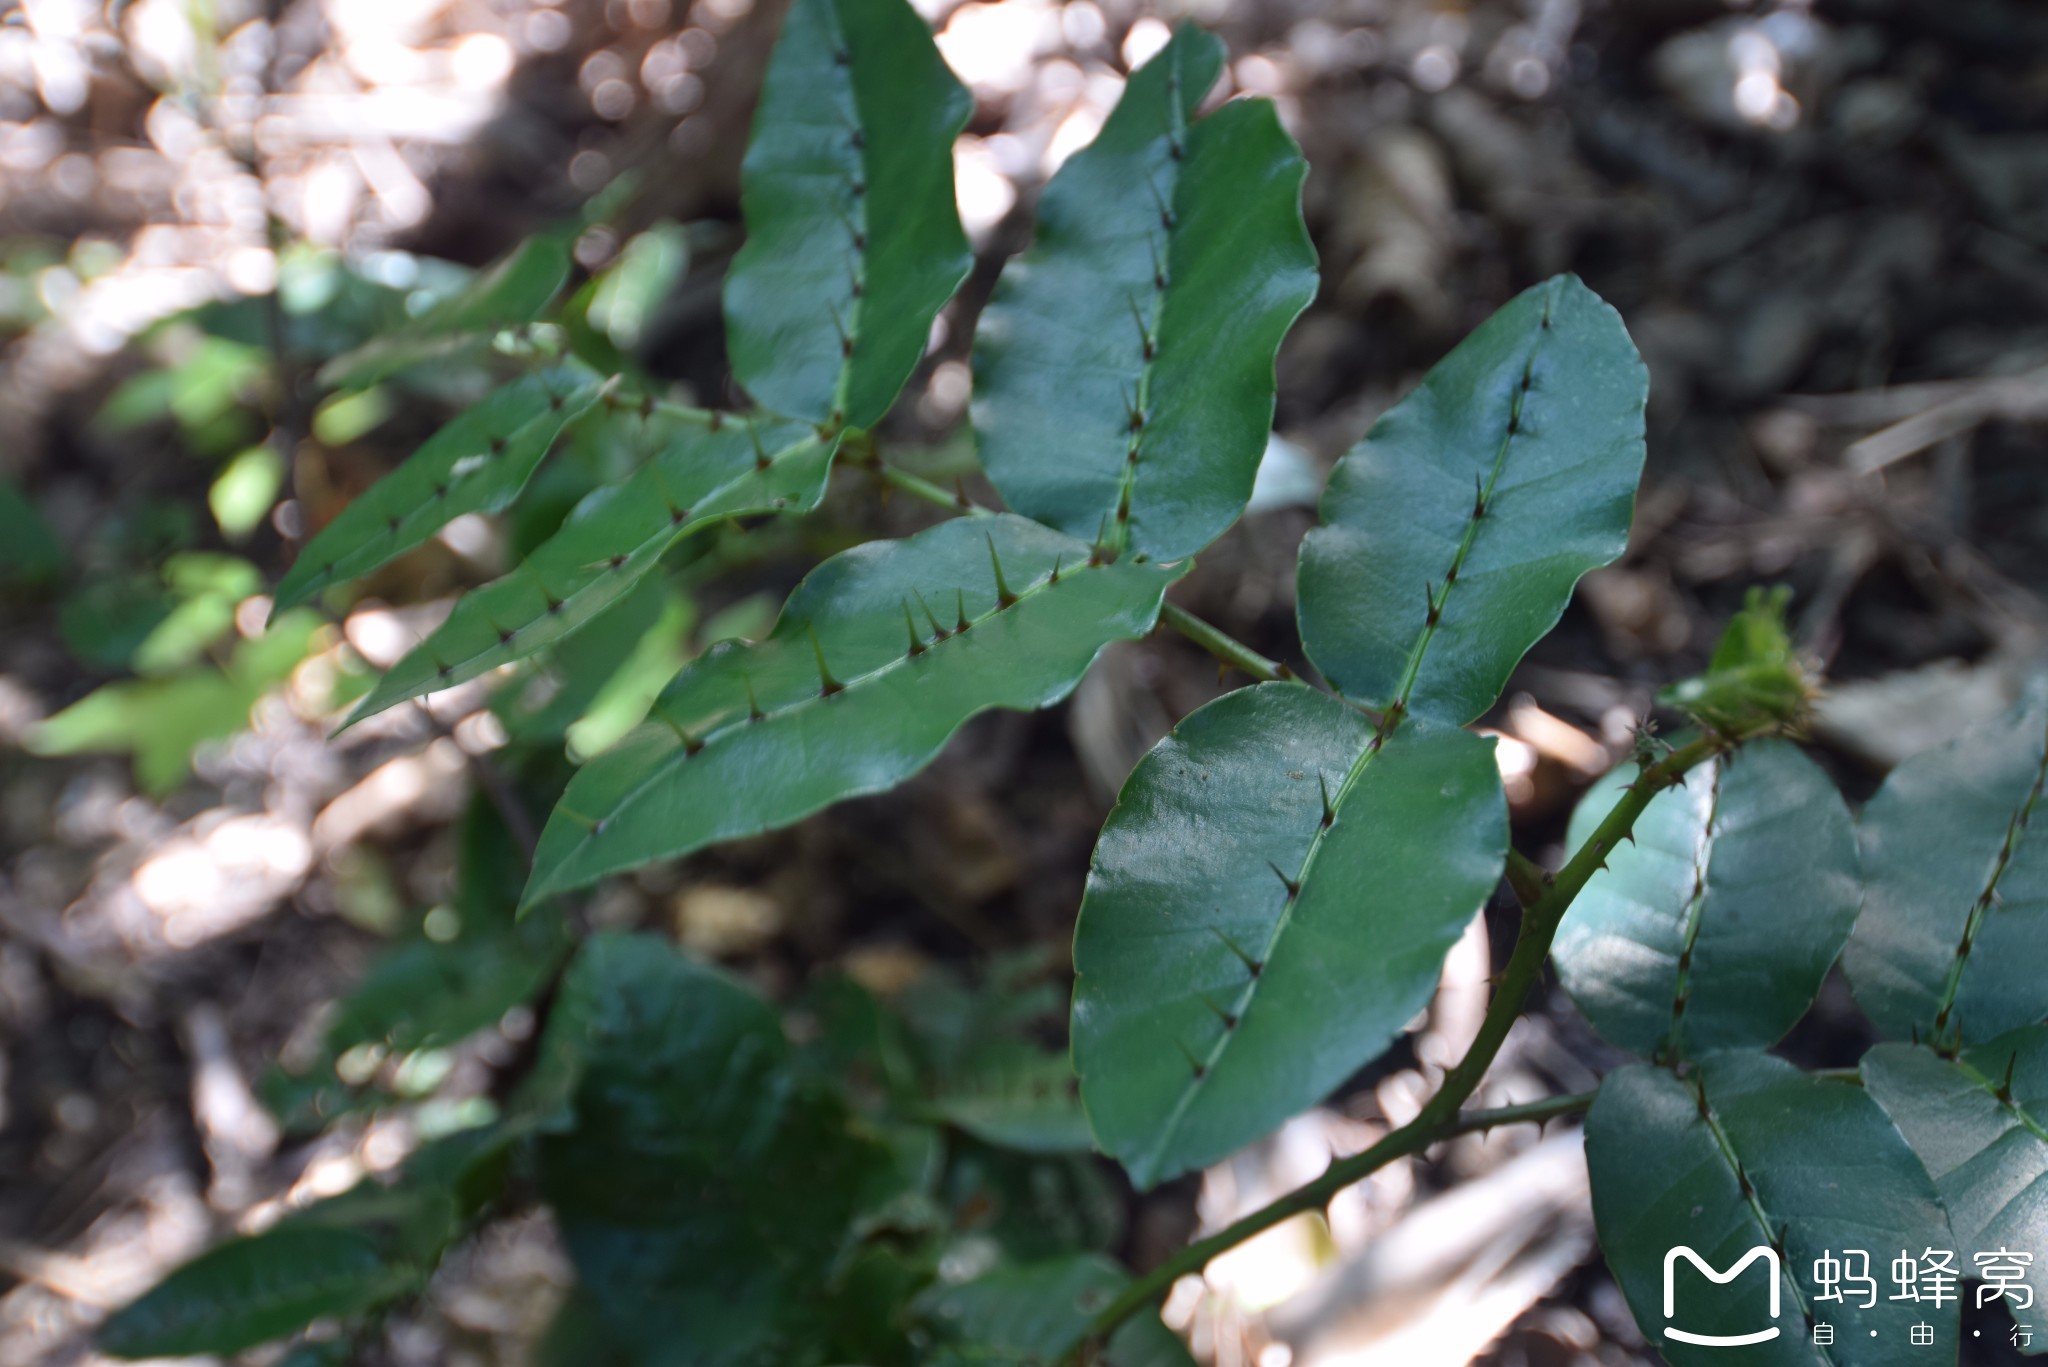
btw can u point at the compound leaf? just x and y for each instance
(703, 468)
(1036, 1313)
(1124, 367)
(878, 657)
(1714, 928)
(1452, 535)
(1956, 886)
(1980, 1125)
(853, 238)
(477, 463)
(1746, 1153)
(1270, 903)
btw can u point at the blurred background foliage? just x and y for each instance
(252, 254)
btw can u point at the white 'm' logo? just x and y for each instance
(1770, 1258)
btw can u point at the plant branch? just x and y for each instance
(1228, 649)
(1440, 1117)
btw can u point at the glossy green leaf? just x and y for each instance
(1714, 928)
(675, 1190)
(477, 463)
(1453, 534)
(1211, 1000)
(1988, 1154)
(853, 240)
(1778, 1156)
(1956, 886)
(863, 679)
(1124, 367)
(1032, 1315)
(702, 468)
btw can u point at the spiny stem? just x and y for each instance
(1228, 649)
(1440, 1117)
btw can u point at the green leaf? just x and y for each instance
(514, 289)
(1714, 928)
(477, 463)
(251, 1290)
(162, 720)
(1777, 1156)
(678, 1191)
(1211, 1000)
(246, 489)
(1756, 681)
(29, 551)
(368, 1246)
(1988, 1155)
(1508, 473)
(853, 238)
(1032, 1315)
(701, 469)
(1955, 906)
(856, 689)
(1015, 1096)
(1124, 367)
(424, 994)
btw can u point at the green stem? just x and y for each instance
(1228, 649)
(919, 487)
(1440, 1117)
(1521, 1113)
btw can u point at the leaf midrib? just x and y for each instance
(1702, 856)
(450, 669)
(1177, 135)
(856, 223)
(1413, 671)
(2015, 836)
(1753, 1201)
(684, 754)
(371, 551)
